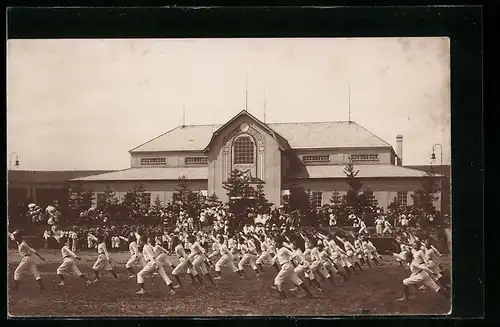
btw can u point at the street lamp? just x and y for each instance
(10, 160)
(433, 156)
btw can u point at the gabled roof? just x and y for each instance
(41, 176)
(365, 171)
(282, 143)
(307, 135)
(150, 174)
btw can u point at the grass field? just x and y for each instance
(373, 292)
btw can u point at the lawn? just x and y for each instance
(373, 292)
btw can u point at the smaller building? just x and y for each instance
(42, 187)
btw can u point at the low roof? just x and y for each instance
(150, 174)
(201, 173)
(365, 171)
(307, 135)
(47, 176)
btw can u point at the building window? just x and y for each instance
(316, 159)
(100, 200)
(195, 160)
(403, 198)
(176, 196)
(153, 161)
(317, 199)
(244, 151)
(364, 157)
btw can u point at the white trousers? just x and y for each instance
(422, 278)
(225, 260)
(68, 264)
(304, 268)
(184, 266)
(199, 263)
(378, 229)
(329, 266)
(434, 267)
(163, 260)
(136, 260)
(150, 268)
(287, 272)
(247, 258)
(318, 266)
(368, 254)
(27, 264)
(265, 257)
(102, 263)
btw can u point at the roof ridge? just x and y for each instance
(373, 134)
(153, 139)
(312, 122)
(60, 170)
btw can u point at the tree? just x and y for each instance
(262, 204)
(134, 201)
(188, 198)
(157, 206)
(352, 197)
(424, 198)
(336, 199)
(213, 199)
(110, 203)
(299, 199)
(369, 206)
(394, 210)
(236, 185)
(238, 190)
(79, 199)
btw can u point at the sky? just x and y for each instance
(83, 104)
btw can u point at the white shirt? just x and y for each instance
(101, 249)
(348, 246)
(270, 248)
(379, 222)
(24, 249)
(66, 252)
(315, 254)
(134, 249)
(251, 246)
(224, 250)
(180, 252)
(196, 249)
(416, 267)
(148, 253)
(298, 256)
(284, 255)
(430, 254)
(158, 249)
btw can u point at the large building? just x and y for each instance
(278, 155)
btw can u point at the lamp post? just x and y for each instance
(10, 160)
(433, 156)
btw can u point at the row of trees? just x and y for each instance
(300, 201)
(247, 198)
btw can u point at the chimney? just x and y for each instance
(399, 150)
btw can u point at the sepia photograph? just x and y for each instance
(229, 177)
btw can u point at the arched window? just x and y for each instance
(244, 151)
